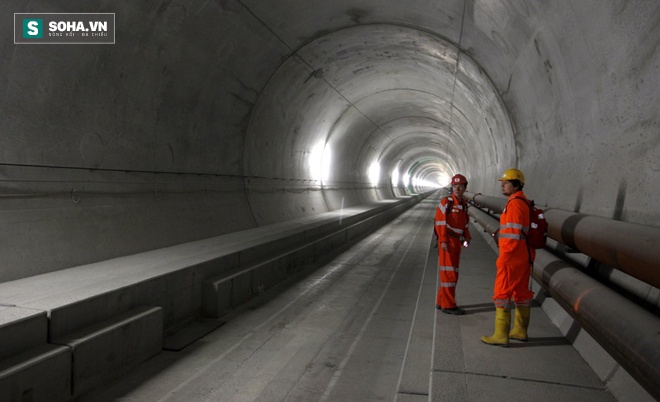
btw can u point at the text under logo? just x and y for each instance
(64, 28)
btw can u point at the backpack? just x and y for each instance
(537, 235)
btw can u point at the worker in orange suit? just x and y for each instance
(514, 264)
(451, 228)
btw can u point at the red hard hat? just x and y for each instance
(459, 179)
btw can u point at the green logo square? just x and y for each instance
(32, 28)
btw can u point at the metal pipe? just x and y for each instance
(627, 247)
(489, 223)
(625, 330)
(495, 204)
(630, 248)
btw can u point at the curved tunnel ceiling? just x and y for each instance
(206, 118)
(385, 94)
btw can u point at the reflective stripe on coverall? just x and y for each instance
(449, 227)
(513, 264)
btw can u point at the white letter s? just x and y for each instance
(33, 28)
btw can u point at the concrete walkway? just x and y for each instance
(362, 326)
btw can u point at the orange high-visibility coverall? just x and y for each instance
(450, 227)
(515, 261)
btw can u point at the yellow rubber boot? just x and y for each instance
(502, 325)
(520, 324)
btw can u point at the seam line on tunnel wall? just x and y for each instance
(458, 57)
(263, 23)
(165, 172)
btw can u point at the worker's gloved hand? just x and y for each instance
(465, 242)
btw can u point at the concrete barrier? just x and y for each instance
(30, 368)
(97, 309)
(42, 373)
(111, 347)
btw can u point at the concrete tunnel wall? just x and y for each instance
(205, 118)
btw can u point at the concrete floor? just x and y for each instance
(363, 327)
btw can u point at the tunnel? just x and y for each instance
(216, 118)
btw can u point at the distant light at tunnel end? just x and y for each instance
(421, 183)
(444, 179)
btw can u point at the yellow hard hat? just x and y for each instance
(513, 174)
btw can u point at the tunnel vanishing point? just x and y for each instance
(209, 118)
